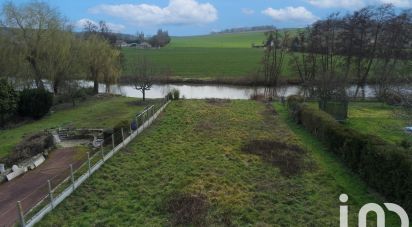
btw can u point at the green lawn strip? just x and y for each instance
(358, 192)
(95, 113)
(387, 122)
(195, 148)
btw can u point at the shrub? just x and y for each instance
(385, 167)
(8, 100)
(35, 103)
(176, 94)
(293, 102)
(173, 94)
(169, 95)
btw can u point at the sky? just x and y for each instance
(197, 17)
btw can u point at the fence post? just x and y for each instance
(88, 161)
(137, 124)
(113, 140)
(122, 135)
(143, 119)
(101, 148)
(72, 175)
(50, 194)
(21, 214)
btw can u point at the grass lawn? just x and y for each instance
(94, 113)
(201, 164)
(385, 121)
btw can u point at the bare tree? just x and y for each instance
(273, 59)
(142, 75)
(330, 83)
(304, 60)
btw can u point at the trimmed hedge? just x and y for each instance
(35, 103)
(383, 166)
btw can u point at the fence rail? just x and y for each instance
(55, 190)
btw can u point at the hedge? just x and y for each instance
(385, 167)
(34, 103)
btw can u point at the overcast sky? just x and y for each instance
(194, 17)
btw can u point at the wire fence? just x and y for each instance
(33, 207)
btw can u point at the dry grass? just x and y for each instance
(187, 209)
(288, 158)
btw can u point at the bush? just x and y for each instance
(35, 103)
(385, 167)
(176, 94)
(173, 94)
(293, 102)
(8, 100)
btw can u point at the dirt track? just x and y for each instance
(32, 186)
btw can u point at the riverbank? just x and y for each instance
(237, 81)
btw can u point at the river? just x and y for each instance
(190, 91)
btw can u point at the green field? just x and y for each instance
(387, 122)
(232, 40)
(196, 167)
(200, 62)
(94, 113)
(217, 56)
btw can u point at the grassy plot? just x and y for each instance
(95, 113)
(385, 121)
(213, 163)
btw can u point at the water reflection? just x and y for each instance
(224, 91)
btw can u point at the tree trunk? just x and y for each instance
(144, 94)
(96, 87)
(107, 88)
(56, 87)
(1, 120)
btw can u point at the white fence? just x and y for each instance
(71, 183)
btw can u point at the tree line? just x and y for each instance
(42, 58)
(161, 39)
(37, 43)
(371, 44)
